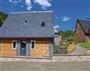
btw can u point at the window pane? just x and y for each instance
(43, 24)
(14, 44)
(32, 45)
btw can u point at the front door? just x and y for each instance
(22, 48)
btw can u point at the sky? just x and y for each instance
(66, 12)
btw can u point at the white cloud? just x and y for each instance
(10, 0)
(65, 18)
(43, 3)
(29, 5)
(19, 0)
(44, 8)
(57, 17)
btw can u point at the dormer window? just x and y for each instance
(25, 21)
(42, 24)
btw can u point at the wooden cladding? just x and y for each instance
(40, 48)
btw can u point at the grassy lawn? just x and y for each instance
(85, 45)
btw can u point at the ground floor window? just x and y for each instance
(33, 43)
(0, 44)
(14, 44)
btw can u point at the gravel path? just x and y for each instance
(79, 51)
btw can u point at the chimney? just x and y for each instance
(56, 29)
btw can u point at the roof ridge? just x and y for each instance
(29, 12)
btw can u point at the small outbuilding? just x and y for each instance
(27, 34)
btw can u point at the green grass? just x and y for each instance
(85, 45)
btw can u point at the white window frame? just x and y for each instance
(13, 44)
(31, 44)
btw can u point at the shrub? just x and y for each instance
(59, 49)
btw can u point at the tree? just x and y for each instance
(67, 35)
(3, 16)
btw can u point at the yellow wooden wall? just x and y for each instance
(6, 49)
(40, 50)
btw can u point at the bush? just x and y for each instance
(70, 39)
(60, 49)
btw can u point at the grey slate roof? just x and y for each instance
(15, 25)
(85, 25)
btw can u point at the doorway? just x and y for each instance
(22, 48)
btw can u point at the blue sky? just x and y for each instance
(66, 12)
